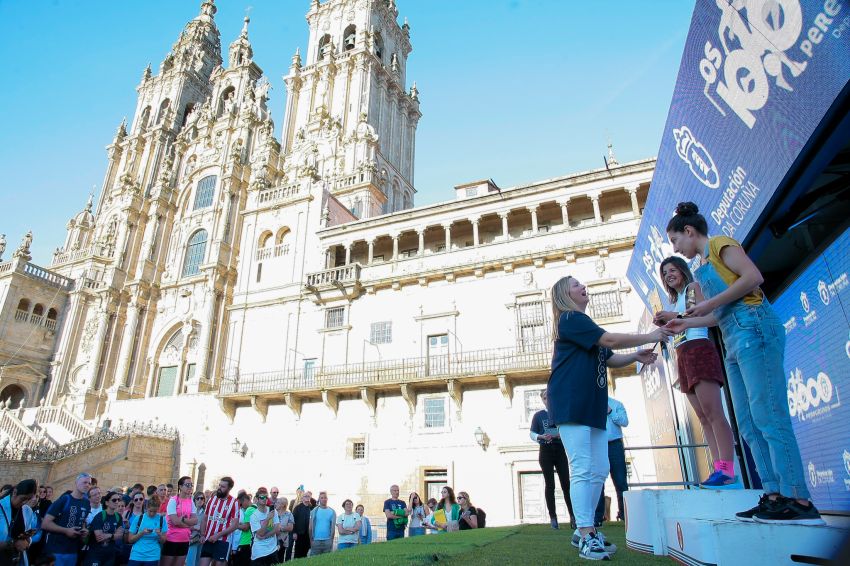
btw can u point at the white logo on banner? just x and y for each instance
(823, 291)
(697, 157)
(651, 381)
(753, 48)
(820, 477)
(804, 300)
(847, 469)
(810, 398)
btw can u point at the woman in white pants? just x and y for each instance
(578, 401)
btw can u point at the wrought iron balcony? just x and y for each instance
(530, 359)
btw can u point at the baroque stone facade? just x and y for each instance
(285, 305)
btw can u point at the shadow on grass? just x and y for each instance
(524, 545)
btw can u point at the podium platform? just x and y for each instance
(699, 527)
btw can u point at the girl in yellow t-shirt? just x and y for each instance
(755, 349)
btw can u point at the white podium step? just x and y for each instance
(647, 511)
(707, 542)
(699, 527)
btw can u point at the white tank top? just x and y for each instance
(691, 333)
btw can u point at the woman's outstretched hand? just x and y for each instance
(646, 356)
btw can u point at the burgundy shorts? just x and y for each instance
(698, 360)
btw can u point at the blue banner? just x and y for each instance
(756, 78)
(816, 312)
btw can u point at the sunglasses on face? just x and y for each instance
(262, 497)
(115, 500)
(137, 499)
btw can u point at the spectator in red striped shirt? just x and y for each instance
(220, 519)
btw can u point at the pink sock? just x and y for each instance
(728, 467)
(718, 465)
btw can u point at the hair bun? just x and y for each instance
(687, 209)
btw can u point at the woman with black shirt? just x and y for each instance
(107, 528)
(468, 514)
(578, 401)
(551, 457)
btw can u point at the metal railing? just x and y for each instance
(607, 304)
(535, 356)
(680, 449)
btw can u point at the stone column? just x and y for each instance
(128, 337)
(371, 244)
(504, 217)
(395, 246)
(97, 346)
(596, 213)
(475, 220)
(565, 215)
(533, 211)
(204, 339)
(421, 232)
(448, 229)
(633, 196)
(348, 253)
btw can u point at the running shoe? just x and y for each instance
(610, 547)
(787, 511)
(764, 504)
(719, 480)
(591, 548)
(554, 522)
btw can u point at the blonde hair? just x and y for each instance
(466, 497)
(561, 302)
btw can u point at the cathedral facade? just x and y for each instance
(284, 304)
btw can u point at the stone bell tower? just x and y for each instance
(349, 112)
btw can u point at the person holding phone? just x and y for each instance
(755, 355)
(16, 520)
(552, 458)
(147, 535)
(107, 528)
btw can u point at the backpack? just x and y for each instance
(139, 522)
(482, 518)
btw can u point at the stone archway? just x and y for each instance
(12, 396)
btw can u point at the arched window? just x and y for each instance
(24, 305)
(52, 314)
(163, 108)
(408, 201)
(195, 250)
(281, 234)
(205, 192)
(379, 47)
(223, 100)
(349, 37)
(38, 309)
(264, 239)
(324, 44)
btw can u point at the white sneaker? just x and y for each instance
(610, 547)
(576, 540)
(591, 548)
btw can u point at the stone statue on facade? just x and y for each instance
(23, 250)
(2, 245)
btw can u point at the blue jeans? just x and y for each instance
(617, 460)
(364, 539)
(393, 534)
(416, 531)
(755, 352)
(344, 545)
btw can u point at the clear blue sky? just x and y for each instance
(516, 90)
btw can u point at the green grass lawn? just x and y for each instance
(527, 545)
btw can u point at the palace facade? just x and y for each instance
(284, 304)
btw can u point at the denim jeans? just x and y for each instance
(755, 352)
(344, 545)
(617, 460)
(587, 452)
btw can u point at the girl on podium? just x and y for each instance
(755, 350)
(700, 372)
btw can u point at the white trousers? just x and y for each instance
(587, 452)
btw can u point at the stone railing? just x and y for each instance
(6, 266)
(40, 453)
(15, 432)
(74, 255)
(47, 276)
(343, 274)
(271, 251)
(353, 179)
(90, 284)
(21, 315)
(530, 356)
(276, 195)
(76, 426)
